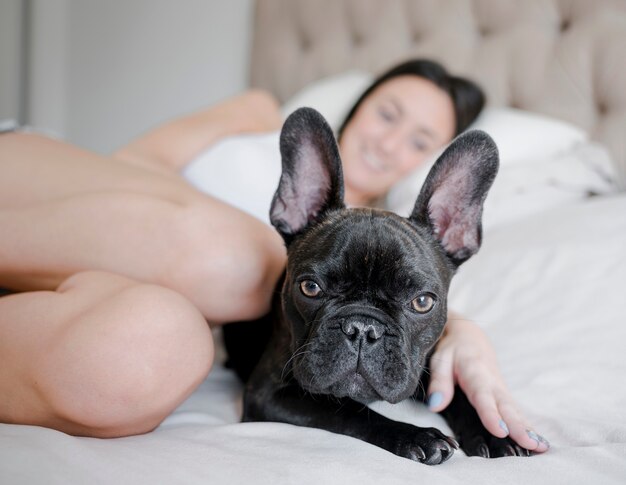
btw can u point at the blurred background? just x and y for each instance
(98, 73)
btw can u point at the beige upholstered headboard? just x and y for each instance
(564, 58)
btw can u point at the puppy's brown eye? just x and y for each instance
(310, 288)
(423, 303)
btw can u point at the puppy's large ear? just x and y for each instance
(451, 200)
(311, 183)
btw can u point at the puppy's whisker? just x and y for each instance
(297, 354)
(299, 351)
(422, 390)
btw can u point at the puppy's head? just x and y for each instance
(365, 290)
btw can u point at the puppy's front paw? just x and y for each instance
(489, 446)
(426, 445)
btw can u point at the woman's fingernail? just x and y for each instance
(435, 399)
(539, 439)
(504, 426)
(544, 441)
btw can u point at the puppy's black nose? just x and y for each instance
(367, 328)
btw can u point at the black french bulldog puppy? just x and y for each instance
(363, 298)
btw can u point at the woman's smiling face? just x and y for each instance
(397, 127)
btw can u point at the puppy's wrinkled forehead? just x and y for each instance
(370, 248)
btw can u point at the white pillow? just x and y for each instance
(522, 136)
(332, 96)
(527, 188)
(524, 139)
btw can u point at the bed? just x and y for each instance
(548, 284)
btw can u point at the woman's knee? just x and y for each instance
(229, 267)
(123, 365)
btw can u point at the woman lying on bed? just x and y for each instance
(121, 262)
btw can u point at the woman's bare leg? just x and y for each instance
(109, 352)
(65, 210)
(101, 356)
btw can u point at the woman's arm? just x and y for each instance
(174, 144)
(465, 356)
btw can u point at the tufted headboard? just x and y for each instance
(563, 58)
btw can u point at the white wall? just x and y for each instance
(105, 71)
(10, 59)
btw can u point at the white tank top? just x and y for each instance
(241, 170)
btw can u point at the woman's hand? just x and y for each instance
(464, 356)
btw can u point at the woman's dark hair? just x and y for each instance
(468, 99)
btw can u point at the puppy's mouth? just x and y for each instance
(358, 386)
(339, 368)
(355, 386)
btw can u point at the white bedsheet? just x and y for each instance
(548, 286)
(549, 289)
